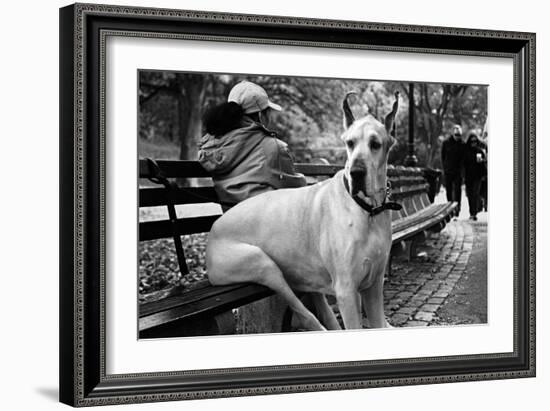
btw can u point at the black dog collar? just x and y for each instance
(386, 205)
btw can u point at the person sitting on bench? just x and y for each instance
(241, 154)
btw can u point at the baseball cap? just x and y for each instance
(251, 97)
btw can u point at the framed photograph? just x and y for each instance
(261, 204)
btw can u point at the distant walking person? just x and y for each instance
(452, 158)
(483, 145)
(475, 169)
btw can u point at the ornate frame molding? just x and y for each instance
(82, 361)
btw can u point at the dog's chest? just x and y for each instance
(368, 253)
(371, 265)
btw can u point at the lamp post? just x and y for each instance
(411, 160)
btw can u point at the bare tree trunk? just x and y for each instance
(190, 102)
(436, 126)
(193, 129)
(183, 118)
(191, 116)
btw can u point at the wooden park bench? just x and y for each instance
(204, 309)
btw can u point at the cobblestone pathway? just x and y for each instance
(417, 289)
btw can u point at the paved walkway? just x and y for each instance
(417, 289)
(427, 289)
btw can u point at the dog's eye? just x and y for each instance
(349, 143)
(374, 145)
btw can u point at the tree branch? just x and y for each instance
(156, 89)
(424, 89)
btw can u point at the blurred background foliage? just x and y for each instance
(171, 106)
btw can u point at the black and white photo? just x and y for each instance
(281, 204)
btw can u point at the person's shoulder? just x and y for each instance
(249, 126)
(265, 131)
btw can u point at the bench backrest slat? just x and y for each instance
(409, 191)
(151, 197)
(318, 169)
(174, 169)
(188, 169)
(152, 230)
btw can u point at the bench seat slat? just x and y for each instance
(419, 216)
(195, 294)
(211, 306)
(422, 222)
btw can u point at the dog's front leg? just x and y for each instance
(373, 302)
(324, 311)
(349, 306)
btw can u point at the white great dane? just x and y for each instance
(333, 237)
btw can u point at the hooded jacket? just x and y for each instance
(247, 161)
(473, 169)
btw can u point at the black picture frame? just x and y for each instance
(83, 29)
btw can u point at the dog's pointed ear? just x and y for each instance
(393, 141)
(390, 118)
(348, 115)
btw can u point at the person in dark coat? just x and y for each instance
(475, 169)
(483, 144)
(452, 157)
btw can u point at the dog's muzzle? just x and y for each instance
(358, 175)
